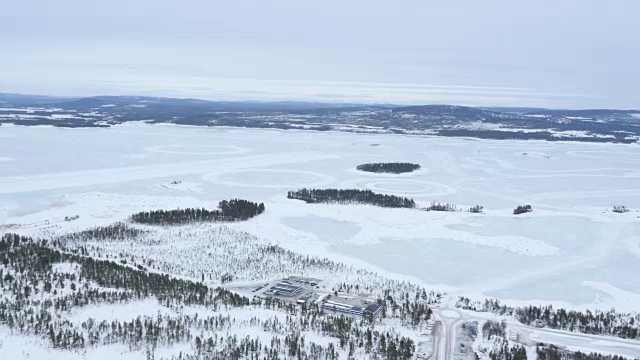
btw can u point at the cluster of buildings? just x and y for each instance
(372, 310)
(304, 280)
(284, 289)
(300, 290)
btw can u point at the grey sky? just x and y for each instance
(531, 53)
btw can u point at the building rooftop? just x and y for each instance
(286, 287)
(373, 308)
(304, 279)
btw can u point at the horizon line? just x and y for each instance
(325, 102)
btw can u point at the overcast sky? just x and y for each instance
(561, 53)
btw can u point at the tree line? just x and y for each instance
(395, 167)
(119, 231)
(620, 209)
(11, 240)
(521, 209)
(351, 196)
(232, 210)
(507, 352)
(502, 349)
(476, 209)
(550, 352)
(598, 322)
(494, 329)
(442, 207)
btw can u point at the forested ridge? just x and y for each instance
(351, 196)
(395, 167)
(611, 126)
(232, 210)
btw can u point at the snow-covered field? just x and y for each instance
(572, 250)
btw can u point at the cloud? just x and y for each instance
(577, 55)
(100, 82)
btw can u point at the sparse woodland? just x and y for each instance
(596, 322)
(394, 168)
(213, 253)
(351, 196)
(502, 350)
(442, 207)
(550, 352)
(494, 329)
(34, 296)
(119, 231)
(508, 352)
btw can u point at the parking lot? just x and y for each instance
(465, 334)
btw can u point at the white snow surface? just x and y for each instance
(122, 312)
(67, 268)
(571, 250)
(587, 344)
(18, 346)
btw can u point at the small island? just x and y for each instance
(351, 196)
(393, 168)
(232, 210)
(620, 209)
(522, 209)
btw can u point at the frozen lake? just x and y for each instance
(571, 250)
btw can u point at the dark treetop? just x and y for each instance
(232, 210)
(351, 196)
(394, 168)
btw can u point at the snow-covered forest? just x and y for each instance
(232, 210)
(44, 282)
(351, 196)
(394, 168)
(611, 322)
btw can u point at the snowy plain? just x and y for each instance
(572, 250)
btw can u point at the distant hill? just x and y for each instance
(452, 112)
(9, 100)
(593, 125)
(584, 113)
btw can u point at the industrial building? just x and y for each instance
(304, 280)
(282, 289)
(370, 310)
(373, 310)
